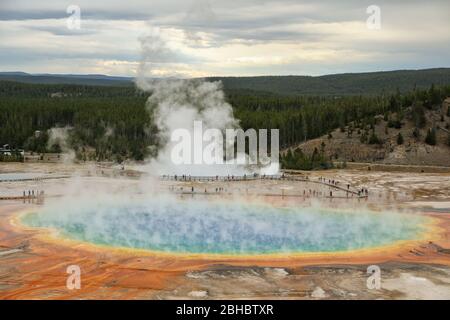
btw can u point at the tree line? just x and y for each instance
(114, 123)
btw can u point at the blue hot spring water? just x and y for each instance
(226, 227)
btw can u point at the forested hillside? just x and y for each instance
(92, 80)
(413, 130)
(114, 122)
(373, 83)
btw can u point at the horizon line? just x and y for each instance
(217, 76)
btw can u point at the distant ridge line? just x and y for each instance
(334, 84)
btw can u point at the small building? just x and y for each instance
(6, 151)
(57, 95)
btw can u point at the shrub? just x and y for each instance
(400, 139)
(374, 139)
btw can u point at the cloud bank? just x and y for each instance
(220, 38)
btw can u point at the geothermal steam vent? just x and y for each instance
(169, 225)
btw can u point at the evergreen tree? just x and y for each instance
(418, 115)
(431, 137)
(435, 96)
(400, 139)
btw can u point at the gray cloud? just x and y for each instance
(413, 34)
(61, 31)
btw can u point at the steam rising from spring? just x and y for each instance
(173, 225)
(60, 136)
(176, 104)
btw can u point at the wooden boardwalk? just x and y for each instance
(35, 179)
(231, 179)
(223, 179)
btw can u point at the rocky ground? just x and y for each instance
(398, 281)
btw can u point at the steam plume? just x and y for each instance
(176, 104)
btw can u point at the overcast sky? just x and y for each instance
(191, 38)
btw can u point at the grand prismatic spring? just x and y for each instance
(261, 238)
(227, 228)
